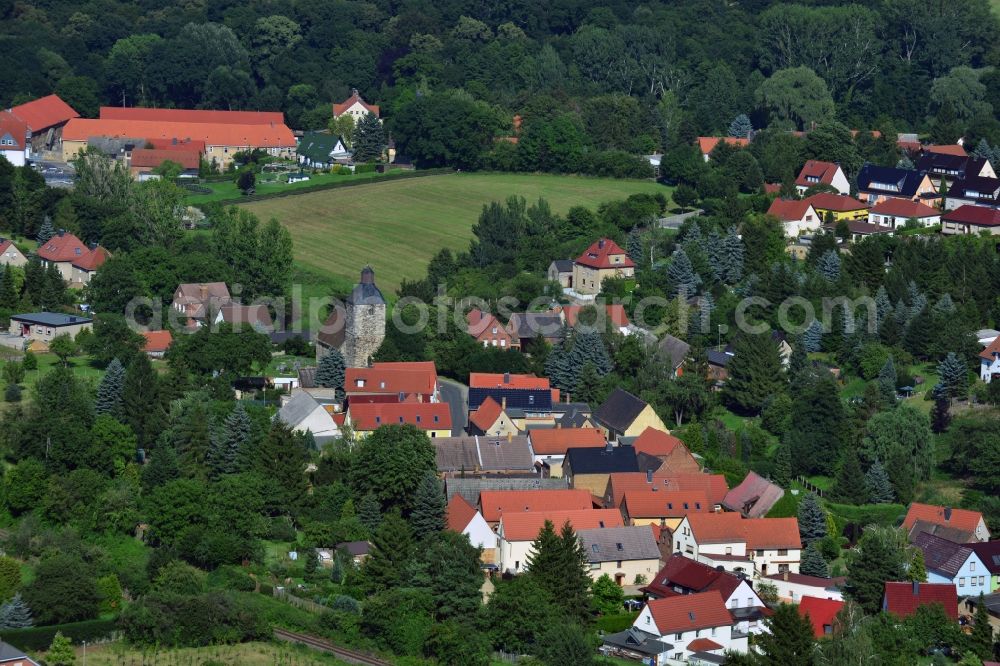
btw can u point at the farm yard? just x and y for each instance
(398, 226)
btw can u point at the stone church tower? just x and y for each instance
(364, 326)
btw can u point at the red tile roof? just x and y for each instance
(708, 143)
(418, 377)
(691, 576)
(835, 202)
(555, 441)
(772, 188)
(487, 414)
(615, 313)
(689, 612)
(757, 533)
(904, 208)
(962, 519)
(213, 134)
(599, 255)
(424, 415)
(979, 216)
(45, 112)
(459, 513)
(173, 144)
(349, 102)
(664, 504)
(480, 323)
(713, 485)
(821, 613)
(497, 380)
(820, 172)
(703, 645)
(656, 442)
(152, 158)
(16, 128)
(66, 247)
(156, 341)
(903, 599)
(526, 526)
(947, 149)
(789, 209)
(988, 353)
(497, 503)
(193, 116)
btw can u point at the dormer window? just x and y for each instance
(418, 418)
(360, 383)
(381, 385)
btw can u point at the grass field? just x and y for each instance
(398, 226)
(227, 189)
(246, 654)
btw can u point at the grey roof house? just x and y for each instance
(320, 150)
(478, 455)
(11, 656)
(617, 544)
(469, 489)
(672, 350)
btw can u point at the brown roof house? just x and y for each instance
(473, 456)
(816, 172)
(754, 497)
(200, 302)
(77, 262)
(240, 316)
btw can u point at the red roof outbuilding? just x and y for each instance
(904, 208)
(978, 216)
(555, 441)
(706, 144)
(496, 504)
(193, 115)
(821, 613)
(16, 128)
(156, 341)
(43, 113)
(487, 414)
(689, 612)
(904, 598)
(152, 158)
(788, 209)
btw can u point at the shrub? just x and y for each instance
(39, 638)
(196, 620)
(231, 578)
(12, 393)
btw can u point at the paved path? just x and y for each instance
(457, 397)
(675, 221)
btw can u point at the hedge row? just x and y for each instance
(329, 186)
(39, 638)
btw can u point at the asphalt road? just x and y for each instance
(56, 174)
(457, 397)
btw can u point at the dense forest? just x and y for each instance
(585, 76)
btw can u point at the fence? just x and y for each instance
(809, 486)
(507, 657)
(299, 602)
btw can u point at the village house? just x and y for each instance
(772, 545)
(713, 486)
(470, 488)
(821, 613)
(527, 327)
(495, 504)
(671, 453)
(602, 260)
(156, 343)
(796, 216)
(955, 563)
(144, 162)
(858, 230)
(836, 207)
(77, 262)
(561, 271)
(973, 190)
(673, 351)
(942, 166)
(549, 445)
(895, 213)
(302, 412)
(472, 456)
(525, 399)
(706, 144)
(628, 555)
(573, 415)
(11, 656)
(44, 326)
(989, 553)
(877, 184)
(321, 150)
(664, 508)
(754, 497)
(693, 625)
(817, 172)
(487, 330)
(10, 254)
(969, 219)
(902, 599)
(958, 525)
(200, 302)
(355, 107)
(241, 316)
(588, 468)
(492, 419)
(14, 143)
(624, 415)
(434, 418)
(393, 382)
(518, 531)
(45, 119)
(793, 587)
(613, 314)
(464, 518)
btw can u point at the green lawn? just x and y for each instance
(397, 226)
(270, 183)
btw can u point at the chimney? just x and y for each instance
(503, 403)
(947, 513)
(608, 448)
(203, 291)
(784, 576)
(916, 588)
(600, 244)
(506, 378)
(649, 476)
(510, 437)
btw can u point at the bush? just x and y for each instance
(231, 578)
(192, 620)
(612, 624)
(266, 589)
(281, 529)
(39, 638)
(12, 393)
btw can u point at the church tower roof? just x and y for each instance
(366, 292)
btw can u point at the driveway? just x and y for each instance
(457, 397)
(56, 174)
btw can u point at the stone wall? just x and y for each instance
(364, 335)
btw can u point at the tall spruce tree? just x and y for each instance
(981, 640)
(829, 266)
(558, 565)
(813, 564)
(887, 382)
(141, 401)
(680, 273)
(849, 487)
(812, 519)
(331, 371)
(789, 639)
(391, 553)
(733, 251)
(755, 373)
(812, 337)
(427, 518)
(370, 512)
(558, 369)
(881, 554)
(15, 614)
(111, 390)
(633, 245)
(230, 443)
(940, 412)
(369, 139)
(8, 290)
(45, 232)
(783, 466)
(741, 127)
(161, 468)
(954, 376)
(799, 359)
(879, 486)
(883, 306)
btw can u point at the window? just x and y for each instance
(647, 619)
(729, 550)
(961, 582)
(620, 548)
(619, 564)
(494, 330)
(378, 419)
(981, 580)
(503, 343)
(827, 629)
(697, 505)
(400, 419)
(360, 383)
(713, 631)
(418, 418)
(436, 418)
(972, 581)
(670, 505)
(972, 566)
(783, 552)
(760, 553)
(685, 505)
(678, 656)
(678, 637)
(381, 385)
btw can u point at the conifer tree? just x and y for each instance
(161, 468)
(887, 382)
(60, 651)
(391, 552)
(427, 518)
(829, 266)
(983, 150)
(312, 561)
(558, 565)
(879, 486)
(8, 291)
(954, 376)
(110, 391)
(741, 127)
(45, 232)
(799, 360)
(715, 254)
(369, 139)
(588, 385)
(783, 466)
(141, 401)
(813, 564)
(557, 369)
(633, 245)
(789, 639)
(229, 444)
(369, 512)
(812, 338)
(15, 614)
(883, 306)
(680, 273)
(917, 567)
(331, 371)
(812, 519)
(941, 412)
(944, 307)
(755, 373)
(849, 486)
(588, 347)
(732, 250)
